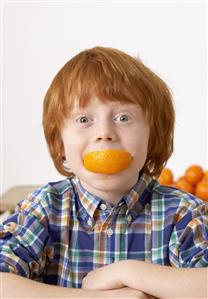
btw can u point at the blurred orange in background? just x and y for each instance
(194, 174)
(194, 180)
(184, 185)
(205, 177)
(166, 177)
(202, 190)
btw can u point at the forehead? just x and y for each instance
(95, 101)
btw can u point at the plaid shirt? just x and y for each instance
(61, 232)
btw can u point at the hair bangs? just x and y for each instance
(99, 79)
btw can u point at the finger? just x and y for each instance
(84, 283)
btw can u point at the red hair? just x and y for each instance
(111, 75)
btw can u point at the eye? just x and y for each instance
(122, 118)
(83, 119)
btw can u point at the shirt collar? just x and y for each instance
(137, 197)
(139, 193)
(86, 199)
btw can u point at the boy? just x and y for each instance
(108, 230)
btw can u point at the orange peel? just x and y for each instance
(109, 161)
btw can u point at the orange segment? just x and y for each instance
(108, 161)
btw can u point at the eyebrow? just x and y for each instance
(75, 112)
(79, 110)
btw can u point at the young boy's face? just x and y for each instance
(99, 126)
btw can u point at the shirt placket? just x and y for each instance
(104, 234)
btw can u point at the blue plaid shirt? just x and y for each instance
(61, 232)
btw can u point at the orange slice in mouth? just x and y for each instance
(108, 161)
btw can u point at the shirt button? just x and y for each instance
(129, 218)
(109, 232)
(103, 206)
(89, 222)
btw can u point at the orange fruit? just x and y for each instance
(202, 190)
(166, 177)
(108, 161)
(172, 184)
(205, 177)
(194, 174)
(184, 185)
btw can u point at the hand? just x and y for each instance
(104, 278)
(128, 293)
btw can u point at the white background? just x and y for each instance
(38, 38)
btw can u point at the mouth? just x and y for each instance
(107, 161)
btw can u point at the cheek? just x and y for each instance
(73, 149)
(74, 145)
(138, 144)
(138, 141)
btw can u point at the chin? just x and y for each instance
(106, 182)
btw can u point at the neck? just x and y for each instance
(111, 194)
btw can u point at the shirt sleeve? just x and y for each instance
(24, 238)
(188, 246)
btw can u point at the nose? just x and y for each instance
(104, 138)
(105, 132)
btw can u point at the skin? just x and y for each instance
(98, 126)
(156, 280)
(14, 286)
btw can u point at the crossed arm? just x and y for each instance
(124, 279)
(155, 280)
